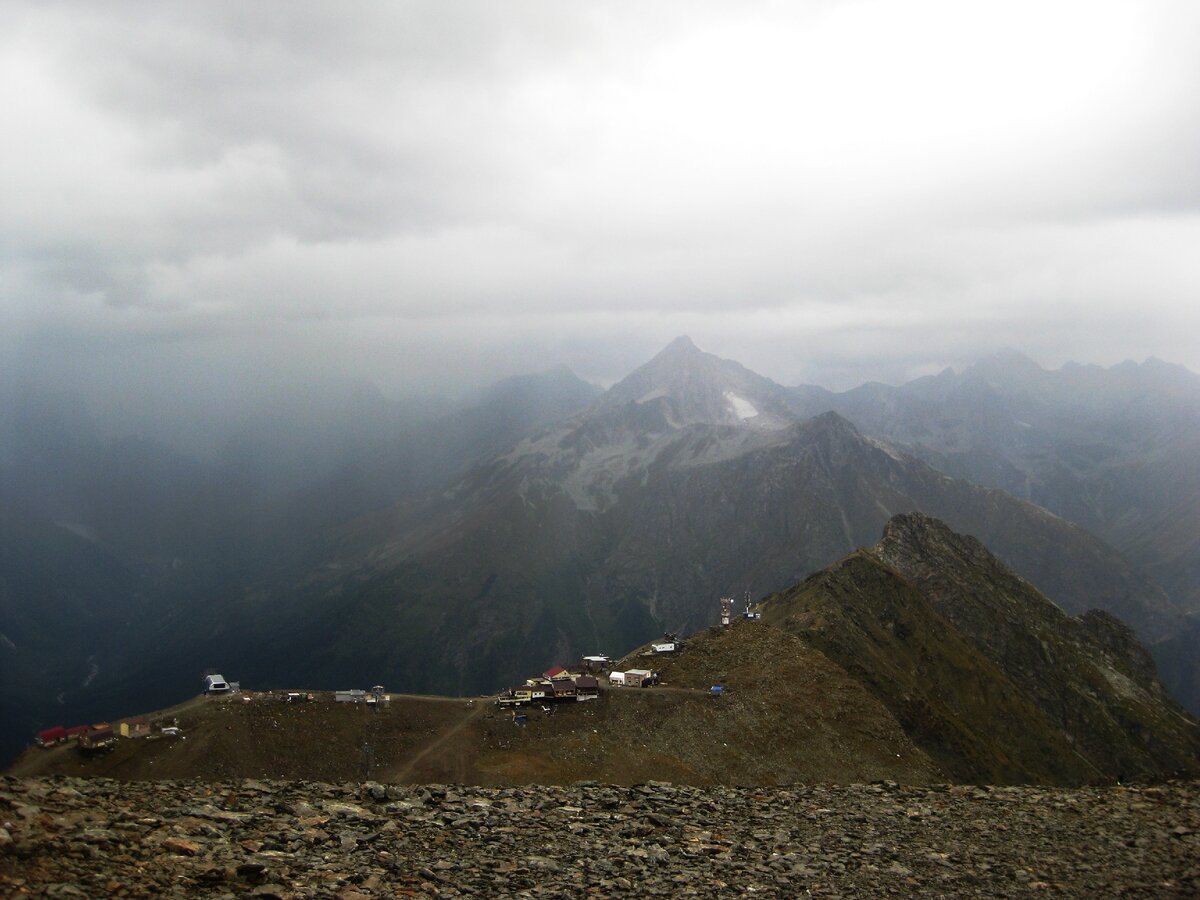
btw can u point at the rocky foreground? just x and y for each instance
(94, 837)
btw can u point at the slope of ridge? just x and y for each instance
(788, 713)
(954, 703)
(777, 510)
(986, 675)
(791, 716)
(1087, 673)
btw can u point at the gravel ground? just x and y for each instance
(70, 837)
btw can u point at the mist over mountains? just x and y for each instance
(451, 548)
(1112, 450)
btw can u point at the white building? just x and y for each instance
(639, 677)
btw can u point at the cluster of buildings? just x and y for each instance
(376, 697)
(102, 736)
(553, 685)
(581, 683)
(93, 738)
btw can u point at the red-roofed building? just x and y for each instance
(51, 736)
(557, 672)
(76, 730)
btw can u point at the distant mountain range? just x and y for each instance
(456, 551)
(1113, 450)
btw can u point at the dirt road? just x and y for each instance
(402, 773)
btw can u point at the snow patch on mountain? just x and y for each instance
(742, 408)
(652, 395)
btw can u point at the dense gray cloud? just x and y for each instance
(431, 194)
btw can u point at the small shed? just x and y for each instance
(616, 679)
(352, 696)
(135, 728)
(216, 684)
(665, 647)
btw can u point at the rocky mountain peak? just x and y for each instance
(681, 346)
(919, 534)
(695, 387)
(830, 421)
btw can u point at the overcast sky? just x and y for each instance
(432, 194)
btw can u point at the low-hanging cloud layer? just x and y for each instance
(433, 194)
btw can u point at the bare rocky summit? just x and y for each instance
(69, 837)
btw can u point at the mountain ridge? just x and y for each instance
(993, 680)
(917, 659)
